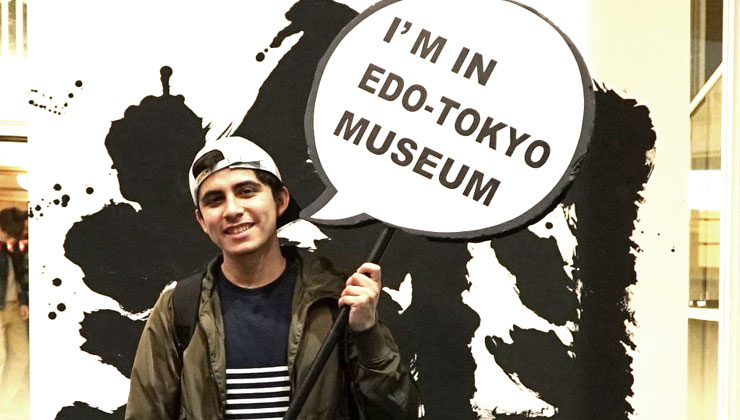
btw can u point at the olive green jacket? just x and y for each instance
(363, 379)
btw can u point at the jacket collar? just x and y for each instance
(317, 278)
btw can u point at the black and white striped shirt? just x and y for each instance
(257, 393)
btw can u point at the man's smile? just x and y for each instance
(237, 229)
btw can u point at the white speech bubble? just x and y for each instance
(449, 119)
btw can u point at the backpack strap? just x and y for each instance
(185, 302)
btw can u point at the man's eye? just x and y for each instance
(211, 201)
(246, 191)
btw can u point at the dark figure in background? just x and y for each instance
(14, 358)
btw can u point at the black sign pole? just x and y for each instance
(337, 330)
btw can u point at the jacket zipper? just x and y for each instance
(210, 363)
(294, 374)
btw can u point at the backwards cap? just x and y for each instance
(228, 152)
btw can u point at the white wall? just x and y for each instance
(641, 50)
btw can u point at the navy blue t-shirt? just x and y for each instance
(256, 322)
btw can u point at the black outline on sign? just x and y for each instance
(537, 211)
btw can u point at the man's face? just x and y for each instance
(238, 212)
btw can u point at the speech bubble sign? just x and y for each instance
(447, 119)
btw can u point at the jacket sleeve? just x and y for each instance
(155, 377)
(382, 384)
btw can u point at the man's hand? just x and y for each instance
(24, 312)
(361, 294)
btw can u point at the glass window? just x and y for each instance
(706, 41)
(706, 136)
(705, 201)
(705, 198)
(702, 370)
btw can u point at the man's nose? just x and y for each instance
(233, 209)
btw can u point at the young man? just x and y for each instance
(264, 312)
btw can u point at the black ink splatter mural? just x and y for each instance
(164, 132)
(529, 325)
(46, 102)
(606, 197)
(82, 411)
(132, 255)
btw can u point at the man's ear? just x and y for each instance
(201, 222)
(284, 200)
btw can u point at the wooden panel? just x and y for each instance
(10, 191)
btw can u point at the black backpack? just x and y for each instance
(185, 302)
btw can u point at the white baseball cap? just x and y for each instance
(228, 152)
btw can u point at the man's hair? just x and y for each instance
(12, 221)
(292, 211)
(271, 181)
